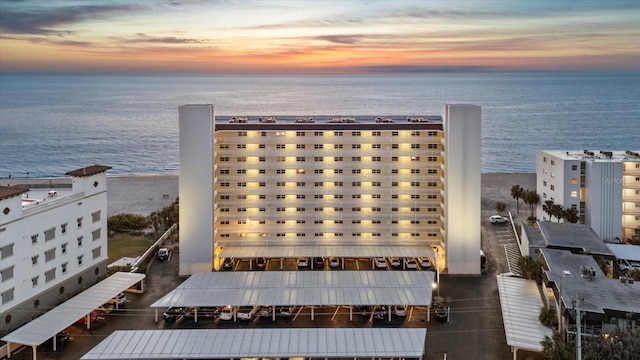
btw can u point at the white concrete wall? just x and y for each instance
(196, 127)
(559, 177)
(604, 198)
(462, 126)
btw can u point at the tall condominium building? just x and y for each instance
(53, 244)
(604, 186)
(330, 186)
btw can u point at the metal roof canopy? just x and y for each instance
(355, 251)
(520, 301)
(59, 318)
(319, 288)
(259, 343)
(624, 251)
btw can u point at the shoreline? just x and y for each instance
(146, 193)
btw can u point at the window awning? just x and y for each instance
(358, 252)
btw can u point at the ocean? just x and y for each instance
(54, 123)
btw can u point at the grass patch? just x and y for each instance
(121, 245)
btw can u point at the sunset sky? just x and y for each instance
(226, 36)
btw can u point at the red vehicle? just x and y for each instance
(93, 317)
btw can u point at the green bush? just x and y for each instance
(548, 317)
(127, 222)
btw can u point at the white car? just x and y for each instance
(334, 262)
(247, 312)
(411, 264)
(399, 310)
(303, 262)
(497, 219)
(226, 313)
(381, 263)
(395, 262)
(426, 264)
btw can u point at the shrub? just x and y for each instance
(127, 222)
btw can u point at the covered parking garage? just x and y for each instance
(339, 251)
(302, 288)
(47, 325)
(394, 343)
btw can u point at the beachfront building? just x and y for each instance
(53, 244)
(603, 186)
(345, 186)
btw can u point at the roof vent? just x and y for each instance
(623, 279)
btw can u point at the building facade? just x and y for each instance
(330, 181)
(604, 186)
(53, 244)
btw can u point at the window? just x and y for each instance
(280, 209)
(376, 196)
(432, 146)
(544, 159)
(355, 171)
(63, 267)
(280, 146)
(415, 146)
(355, 158)
(376, 133)
(6, 274)
(300, 196)
(7, 295)
(241, 159)
(95, 216)
(49, 255)
(544, 183)
(417, 158)
(300, 158)
(432, 158)
(224, 158)
(261, 146)
(394, 158)
(415, 171)
(376, 146)
(432, 184)
(50, 275)
(394, 183)
(242, 209)
(574, 167)
(242, 184)
(337, 133)
(318, 146)
(417, 183)
(224, 172)
(318, 158)
(337, 171)
(34, 281)
(96, 252)
(80, 241)
(224, 146)
(262, 159)
(413, 209)
(318, 196)
(6, 251)
(300, 222)
(241, 146)
(300, 133)
(394, 133)
(80, 260)
(355, 146)
(355, 183)
(281, 196)
(355, 196)
(416, 196)
(300, 209)
(224, 184)
(337, 146)
(430, 196)
(79, 221)
(337, 158)
(375, 171)
(394, 146)
(355, 133)
(95, 234)
(281, 183)
(224, 222)
(553, 162)
(552, 187)
(63, 228)
(224, 209)
(375, 209)
(301, 183)
(337, 183)
(34, 260)
(242, 133)
(241, 171)
(318, 133)
(376, 158)
(432, 133)
(337, 209)
(318, 183)
(375, 183)
(432, 171)
(574, 181)
(394, 171)
(432, 209)
(50, 234)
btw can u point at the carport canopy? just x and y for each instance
(302, 288)
(520, 301)
(261, 343)
(62, 316)
(341, 251)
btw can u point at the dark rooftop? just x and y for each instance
(10, 191)
(573, 236)
(89, 170)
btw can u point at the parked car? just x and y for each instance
(173, 313)
(626, 265)
(395, 263)
(441, 312)
(204, 312)
(334, 262)
(363, 310)
(425, 264)
(400, 310)
(227, 264)
(265, 311)
(261, 263)
(247, 312)
(61, 338)
(92, 317)
(381, 263)
(318, 263)
(118, 300)
(411, 263)
(380, 312)
(497, 219)
(303, 262)
(227, 313)
(286, 311)
(163, 254)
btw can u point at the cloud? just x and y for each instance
(144, 38)
(46, 20)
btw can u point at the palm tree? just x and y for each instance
(557, 211)
(571, 215)
(501, 207)
(554, 348)
(530, 267)
(546, 207)
(532, 199)
(517, 192)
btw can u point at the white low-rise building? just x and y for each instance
(53, 244)
(603, 186)
(330, 181)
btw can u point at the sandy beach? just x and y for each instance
(144, 194)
